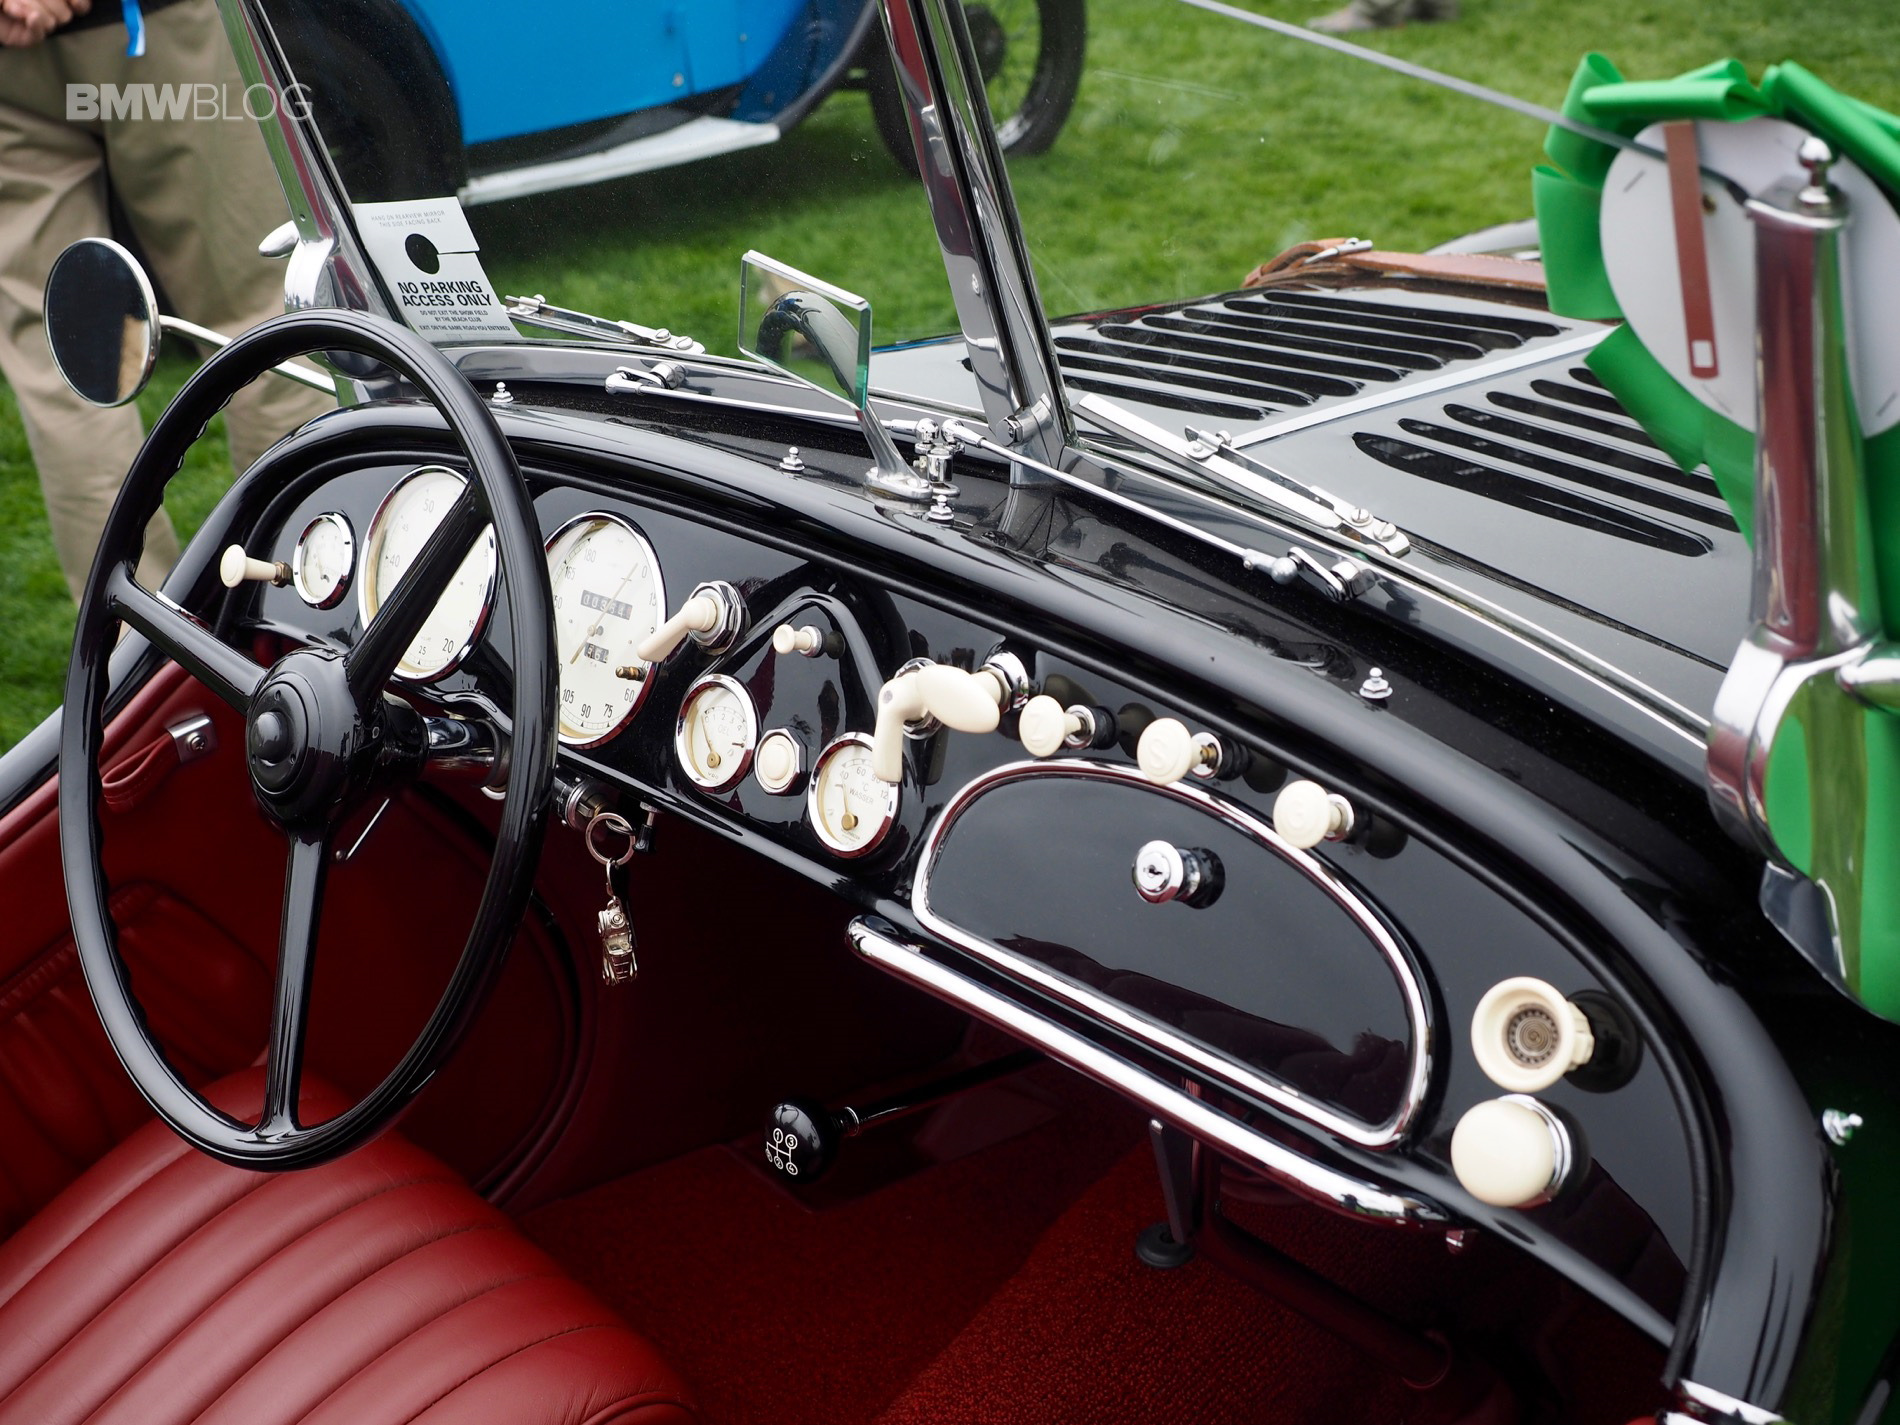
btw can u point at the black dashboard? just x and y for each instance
(1318, 998)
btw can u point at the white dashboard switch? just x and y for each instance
(1526, 1035)
(1045, 725)
(1167, 751)
(236, 567)
(779, 762)
(807, 640)
(1510, 1152)
(701, 616)
(1305, 814)
(968, 702)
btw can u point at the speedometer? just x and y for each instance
(396, 537)
(850, 809)
(608, 596)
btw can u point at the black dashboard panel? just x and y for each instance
(1267, 983)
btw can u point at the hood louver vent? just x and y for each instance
(1566, 450)
(1246, 357)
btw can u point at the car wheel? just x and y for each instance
(1030, 52)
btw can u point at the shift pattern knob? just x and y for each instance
(801, 1139)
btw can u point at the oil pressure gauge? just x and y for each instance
(717, 733)
(324, 561)
(850, 809)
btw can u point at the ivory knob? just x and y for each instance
(1045, 725)
(237, 567)
(1510, 1152)
(1167, 751)
(1305, 814)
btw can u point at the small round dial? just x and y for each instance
(608, 597)
(325, 557)
(850, 809)
(397, 536)
(717, 733)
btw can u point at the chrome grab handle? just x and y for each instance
(1158, 1098)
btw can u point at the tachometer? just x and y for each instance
(717, 734)
(607, 598)
(850, 809)
(396, 536)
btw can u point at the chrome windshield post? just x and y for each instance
(970, 203)
(326, 266)
(1816, 614)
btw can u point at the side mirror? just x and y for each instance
(805, 328)
(820, 335)
(102, 322)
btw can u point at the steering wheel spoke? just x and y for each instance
(306, 871)
(231, 676)
(408, 605)
(322, 737)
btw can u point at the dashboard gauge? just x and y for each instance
(717, 733)
(396, 536)
(324, 560)
(608, 596)
(850, 809)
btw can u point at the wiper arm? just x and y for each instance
(537, 312)
(1214, 454)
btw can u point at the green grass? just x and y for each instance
(1197, 149)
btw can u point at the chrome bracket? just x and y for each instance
(194, 737)
(1214, 453)
(1339, 581)
(659, 376)
(536, 311)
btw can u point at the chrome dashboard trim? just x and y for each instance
(645, 685)
(1417, 1007)
(1158, 1098)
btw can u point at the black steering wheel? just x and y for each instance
(322, 734)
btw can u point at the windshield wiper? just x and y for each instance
(537, 312)
(1214, 454)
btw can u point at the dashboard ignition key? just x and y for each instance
(618, 966)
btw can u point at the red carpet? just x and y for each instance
(968, 1295)
(779, 1315)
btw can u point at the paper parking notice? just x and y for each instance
(428, 256)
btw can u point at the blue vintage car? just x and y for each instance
(636, 84)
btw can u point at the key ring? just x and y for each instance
(613, 821)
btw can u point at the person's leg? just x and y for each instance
(52, 192)
(201, 193)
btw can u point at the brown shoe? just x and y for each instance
(1428, 11)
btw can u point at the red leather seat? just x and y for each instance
(163, 1287)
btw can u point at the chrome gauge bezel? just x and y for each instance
(702, 685)
(366, 587)
(894, 801)
(645, 685)
(342, 522)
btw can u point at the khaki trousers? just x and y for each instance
(200, 193)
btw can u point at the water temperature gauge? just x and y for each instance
(325, 558)
(717, 733)
(851, 810)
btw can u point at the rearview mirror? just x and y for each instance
(101, 322)
(805, 328)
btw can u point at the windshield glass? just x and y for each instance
(1201, 147)
(613, 158)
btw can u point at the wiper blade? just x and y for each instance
(536, 311)
(1214, 455)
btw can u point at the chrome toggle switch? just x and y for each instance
(1164, 872)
